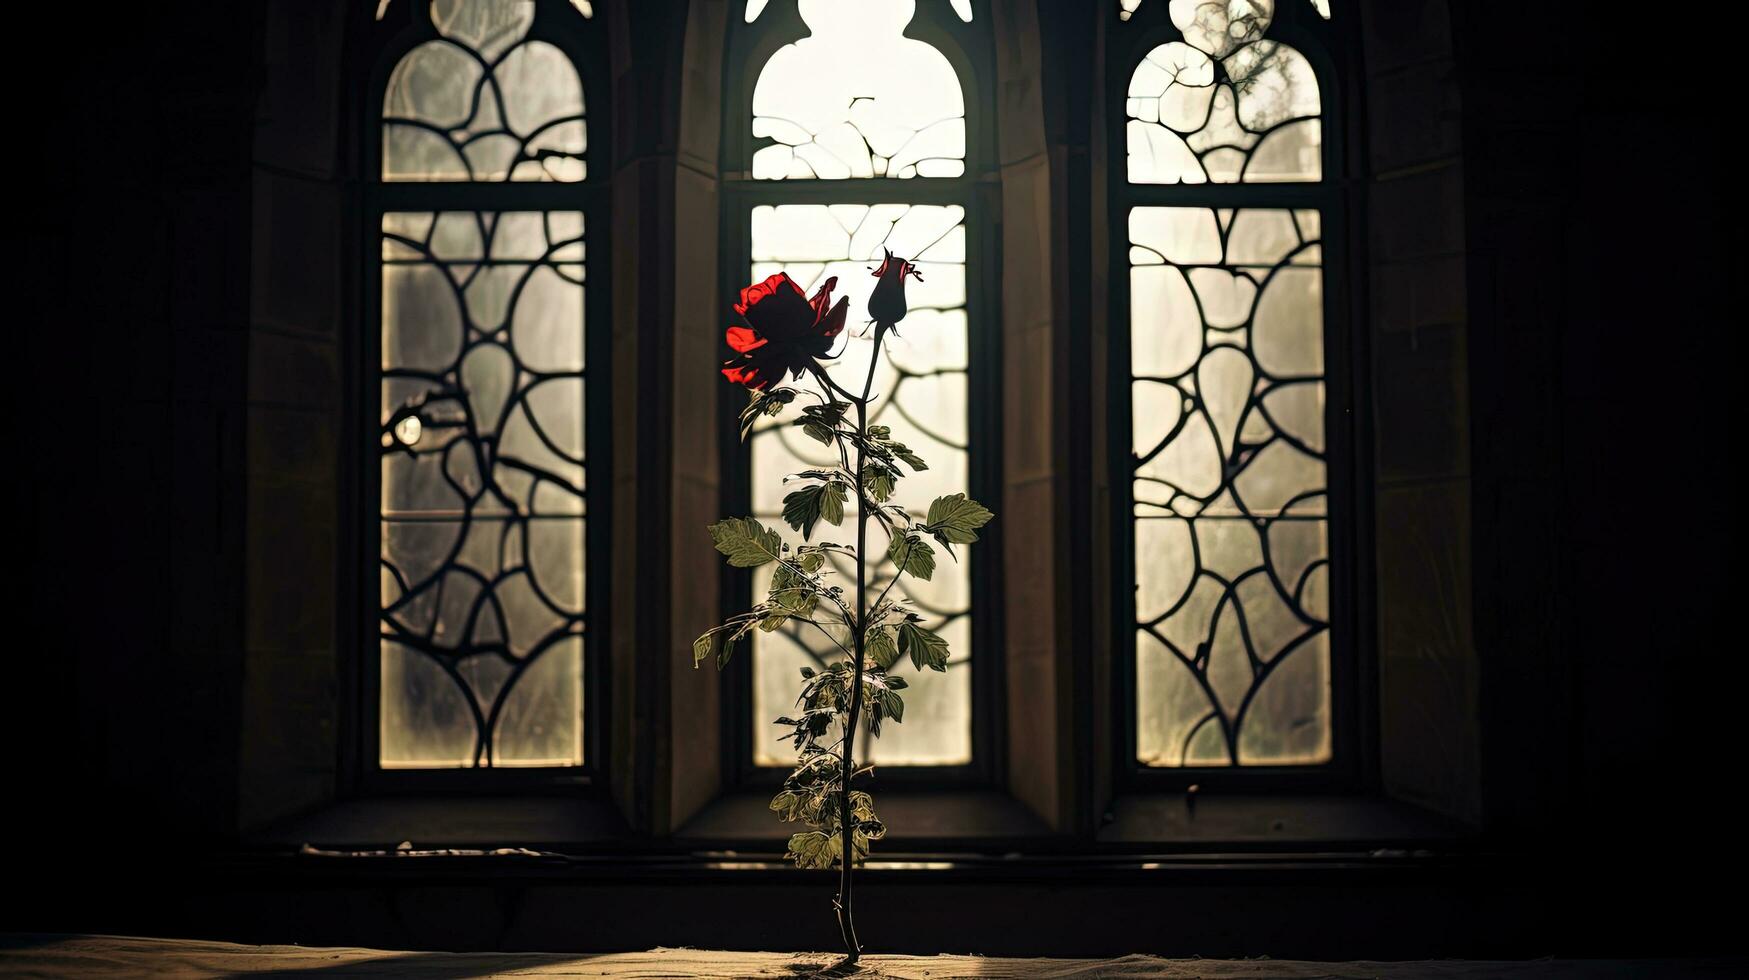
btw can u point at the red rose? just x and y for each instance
(887, 303)
(785, 330)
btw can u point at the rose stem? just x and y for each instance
(846, 918)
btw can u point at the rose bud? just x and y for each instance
(886, 305)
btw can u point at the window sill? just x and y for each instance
(549, 822)
(964, 821)
(1230, 820)
(945, 820)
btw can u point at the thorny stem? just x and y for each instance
(847, 854)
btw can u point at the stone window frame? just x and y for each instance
(1327, 45)
(384, 43)
(968, 47)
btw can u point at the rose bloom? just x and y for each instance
(785, 330)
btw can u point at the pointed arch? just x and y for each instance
(849, 128)
(1231, 455)
(482, 221)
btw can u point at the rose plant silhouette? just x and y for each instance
(785, 336)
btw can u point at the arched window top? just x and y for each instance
(1234, 449)
(488, 421)
(857, 98)
(1236, 9)
(487, 100)
(1226, 104)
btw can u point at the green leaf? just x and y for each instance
(764, 403)
(880, 481)
(956, 518)
(746, 542)
(803, 508)
(821, 421)
(832, 503)
(924, 647)
(913, 556)
(830, 413)
(813, 849)
(881, 647)
(893, 705)
(909, 458)
(787, 805)
(897, 683)
(701, 648)
(792, 593)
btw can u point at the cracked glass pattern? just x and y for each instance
(1230, 518)
(1225, 105)
(856, 98)
(1127, 8)
(484, 102)
(922, 397)
(483, 492)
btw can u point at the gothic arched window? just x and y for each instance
(479, 199)
(855, 127)
(1231, 432)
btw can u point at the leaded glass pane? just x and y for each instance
(484, 103)
(923, 400)
(1231, 530)
(856, 98)
(483, 494)
(1228, 11)
(1225, 105)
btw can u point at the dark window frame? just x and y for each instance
(1339, 197)
(968, 47)
(383, 45)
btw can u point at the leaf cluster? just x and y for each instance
(813, 793)
(887, 633)
(798, 586)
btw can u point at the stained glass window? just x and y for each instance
(1127, 8)
(1228, 482)
(856, 99)
(486, 102)
(923, 400)
(483, 493)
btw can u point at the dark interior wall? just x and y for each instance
(1650, 402)
(1414, 306)
(1601, 337)
(181, 262)
(303, 308)
(1584, 344)
(1547, 249)
(130, 250)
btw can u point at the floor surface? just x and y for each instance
(123, 956)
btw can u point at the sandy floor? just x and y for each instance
(115, 956)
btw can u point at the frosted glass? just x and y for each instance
(1245, 12)
(483, 495)
(1231, 540)
(856, 98)
(485, 102)
(922, 390)
(1224, 105)
(1219, 26)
